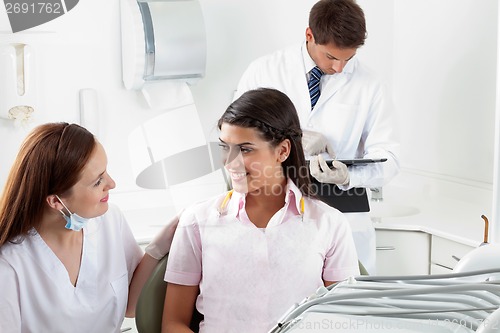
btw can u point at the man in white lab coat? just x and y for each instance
(352, 118)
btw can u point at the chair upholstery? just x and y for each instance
(149, 309)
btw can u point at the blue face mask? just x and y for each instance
(73, 221)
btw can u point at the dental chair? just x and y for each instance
(149, 309)
(485, 256)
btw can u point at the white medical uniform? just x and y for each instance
(249, 277)
(353, 112)
(38, 297)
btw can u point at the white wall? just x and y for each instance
(82, 49)
(438, 56)
(444, 74)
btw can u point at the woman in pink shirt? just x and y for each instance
(246, 256)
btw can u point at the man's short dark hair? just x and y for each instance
(338, 22)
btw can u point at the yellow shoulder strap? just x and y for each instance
(226, 200)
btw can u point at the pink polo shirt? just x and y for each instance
(249, 277)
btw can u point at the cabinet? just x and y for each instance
(445, 254)
(405, 252)
(402, 252)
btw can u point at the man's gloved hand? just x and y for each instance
(319, 169)
(315, 143)
(160, 245)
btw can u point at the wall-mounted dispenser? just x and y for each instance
(17, 82)
(162, 40)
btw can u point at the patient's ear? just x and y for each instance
(283, 150)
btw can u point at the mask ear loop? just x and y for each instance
(62, 203)
(223, 205)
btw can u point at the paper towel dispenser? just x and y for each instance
(162, 40)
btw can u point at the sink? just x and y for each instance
(379, 210)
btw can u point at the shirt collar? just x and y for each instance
(293, 199)
(308, 62)
(233, 206)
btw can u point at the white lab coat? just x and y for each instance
(37, 295)
(353, 112)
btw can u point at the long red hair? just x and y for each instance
(49, 161)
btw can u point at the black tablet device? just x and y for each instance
(358, 161)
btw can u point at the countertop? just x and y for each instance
(447, 217)
(450, 219)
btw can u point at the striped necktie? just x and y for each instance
(315, 77)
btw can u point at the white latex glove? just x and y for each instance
(315, 143)
(160, 245)
(321, 171)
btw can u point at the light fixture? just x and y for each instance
(171, 149)
(17, 83)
